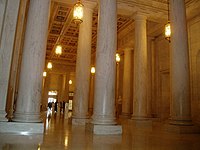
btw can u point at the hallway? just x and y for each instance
(60, 134)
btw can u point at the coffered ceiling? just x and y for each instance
(62, 30)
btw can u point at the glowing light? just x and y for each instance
(58, 50)
(78, 12)
(167, 31)
(117, 58)
(93, 70)
(44, 74)
(49, 65)
(52, 93)
(70, 81)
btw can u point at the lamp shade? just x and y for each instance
(167, 31)
(117, 58)
(49, 65)
(58, 50)
(93, 70)
(78, 12)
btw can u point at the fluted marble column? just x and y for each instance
(140, 68)
(33, 59)
(104, 98)
(126, 100)
(181, 106)
(81, 97)
(8, 23)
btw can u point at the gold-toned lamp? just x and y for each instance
(93, 70)
(78, 12)
(58, 50)
(44, 74)
(117, 58)
(49, 65)
(70, 82)
(167, 26)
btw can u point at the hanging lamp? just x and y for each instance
(168, 26)
(78, 12)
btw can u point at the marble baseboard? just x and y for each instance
(104, 129)
(193, 129)
(21, 128)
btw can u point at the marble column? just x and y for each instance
(104, 119)
(140, 68)
(126, 99)
(104, 98)
(45, 92)
(181, 105)
(33, 60)
(8, 23)
(81, 96)
(65, 88)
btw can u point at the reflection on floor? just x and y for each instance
(61, 135)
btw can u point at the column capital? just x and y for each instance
(128, 49)
(89, 4)
(139, 16)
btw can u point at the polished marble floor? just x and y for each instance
(61, 135)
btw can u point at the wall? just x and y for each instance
(194, 53)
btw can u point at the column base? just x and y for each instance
(182, 129)
(25, 117)
(181, 122)
(125, 115)
(3, 117)
(21, 128)
(104, 129)
(104, 120)
(80, 121)
(140, 118)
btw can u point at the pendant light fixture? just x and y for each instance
(78, 12)
(167, 26)
(93, 70)
(117, 58)
(58, 50)
(49, 65)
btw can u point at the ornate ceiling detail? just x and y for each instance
(62, 30)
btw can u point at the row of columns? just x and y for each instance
(28, 101)
(180, 98)
(32, 65)
(104, 97)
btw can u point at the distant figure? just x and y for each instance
(56, 105)
(50, 105)
(63, 106)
